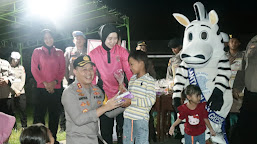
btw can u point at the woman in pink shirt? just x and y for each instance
(108, 58)
(48, 69)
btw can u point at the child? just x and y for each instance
(142, 86)
(36, 134)
(196, 116)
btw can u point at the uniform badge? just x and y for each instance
(79, 90)
(95, 89)
(96, 93)
(88, 103)
(83, 104)
(79, 85)
(99, 102)
(85, 110)
(81, 94)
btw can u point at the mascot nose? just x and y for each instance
(185, 56)
(200, 56)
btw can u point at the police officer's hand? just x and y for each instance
(126, 103)
(113, 103)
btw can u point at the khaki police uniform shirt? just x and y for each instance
(5, 74)
(80, 106)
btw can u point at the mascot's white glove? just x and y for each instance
(216, 100)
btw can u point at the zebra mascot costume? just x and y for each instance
(205, 64)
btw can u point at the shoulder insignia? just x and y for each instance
(81, 94)
(95, 89)
(85, 110)
(99, 102)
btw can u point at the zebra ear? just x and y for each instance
(181, 19)
(213, 17)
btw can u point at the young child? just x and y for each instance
(196, 116)
(142, 87)
(36, 134)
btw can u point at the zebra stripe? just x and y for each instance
(221, 75)
(179, 74)
(222, 68)
(218, 83)
(181, 66)
(224, 61)
(179, 83)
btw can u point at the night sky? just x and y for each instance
(153, 20)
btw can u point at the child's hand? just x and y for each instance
(171, 132)
(126, 103)
(213, 133)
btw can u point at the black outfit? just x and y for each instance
(50, 102)
(246, 119)
(18, 104)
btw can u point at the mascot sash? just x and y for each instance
(213, 116)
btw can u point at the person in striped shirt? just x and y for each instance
(142, 86)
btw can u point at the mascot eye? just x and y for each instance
(190, 36)
(204, 35)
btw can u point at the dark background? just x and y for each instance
(152, 21)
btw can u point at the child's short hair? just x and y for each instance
(139, 55)
(35, 134)
(190, 90)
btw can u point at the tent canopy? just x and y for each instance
(19, 27)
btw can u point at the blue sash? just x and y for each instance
(213, 116)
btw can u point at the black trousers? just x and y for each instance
(51, 103)
(4, 107)
(106, 126)
(247, 118)
(18, 105)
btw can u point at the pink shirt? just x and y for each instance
(47, 67)
(119, 60)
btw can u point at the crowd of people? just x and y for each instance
(80, 89)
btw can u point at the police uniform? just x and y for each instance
(5, 74)
(80, 106)
(71, 53)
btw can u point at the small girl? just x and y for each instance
(196, 116)
(142, 87)
(36, 134)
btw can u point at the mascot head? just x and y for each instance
(202, 39)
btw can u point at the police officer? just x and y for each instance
(83, 104)
(71, 53)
